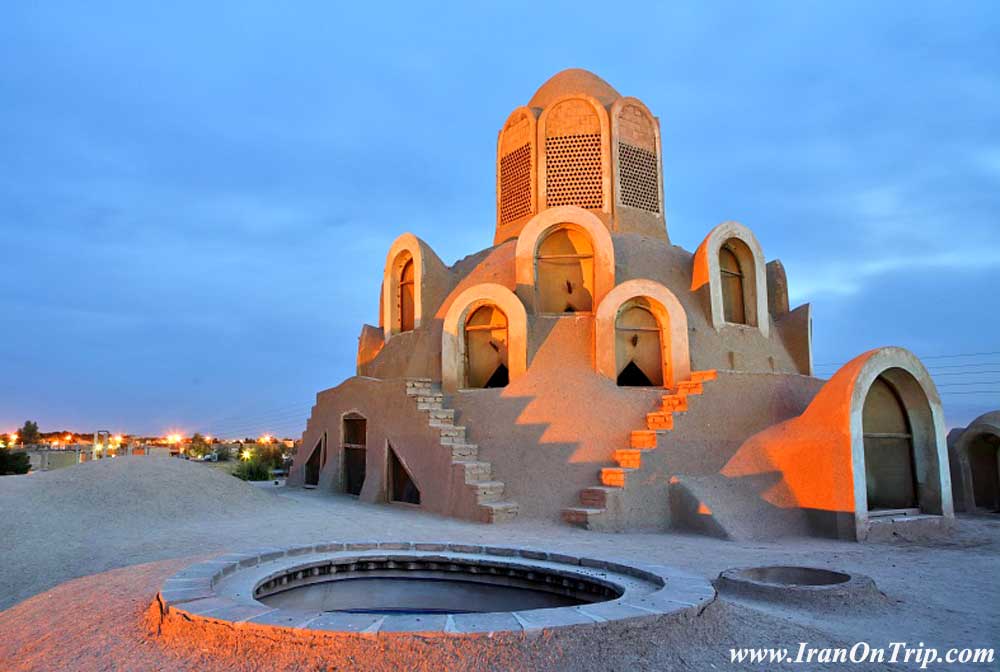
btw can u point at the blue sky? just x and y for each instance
(196, 199)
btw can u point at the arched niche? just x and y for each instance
(897, 436)
(890, 471)
(975, 464)
(584, 232)
(486, 360)
(734, 245)
(402, 286)
(454, 342)
(516, 172)
(636, 151)
(670, 317)
(574, 154)
(638, 345)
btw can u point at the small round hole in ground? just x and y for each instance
(795, 576)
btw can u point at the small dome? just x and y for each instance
(571, 81)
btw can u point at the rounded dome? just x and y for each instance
(574, 80)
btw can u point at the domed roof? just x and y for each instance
(574, 80)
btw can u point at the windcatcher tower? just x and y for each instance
(580, 142)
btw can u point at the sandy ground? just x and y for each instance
(142, 518)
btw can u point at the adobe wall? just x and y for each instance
(392, 418)
(732, 347)
(548, 433)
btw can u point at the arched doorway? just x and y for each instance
(984, 463)
(890, 471)
(733, 306)
(564, 266)
(638, 346)
(354, 438)
(486, 348)
(405, 300)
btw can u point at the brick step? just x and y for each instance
(474, 470)
(643, 438)
(689, 387)
(498, 512)
(615, 477)
(429, 405)
(702, 376)
(487, 491)
(449, 430)
(597, 496)
(675, 402)
(580, 515)
(660, 420)
(443, 415)
(630, 458)
(462, 451)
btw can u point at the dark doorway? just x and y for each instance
(984, 463)
(313, 466)
(638, 347)
(355, 432)
(401, 485)
(632, 376)
(889, 464)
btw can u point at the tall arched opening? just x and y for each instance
(405, 299)
(486, 362)
(638, 346)
(890, 468)
(354, 443)
(564, 266)
(733, 304)
(984, 463)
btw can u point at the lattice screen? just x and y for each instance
(637, 178)
(573, 171)
(515, 184)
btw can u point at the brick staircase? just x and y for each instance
(596, 500)
(464, 455)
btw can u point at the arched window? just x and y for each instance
(486, 348)
(407, 310)
(888, 439)
(565, 272)
(733, 306)
(638, 348)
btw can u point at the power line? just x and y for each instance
(949, 356)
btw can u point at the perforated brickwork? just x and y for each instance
(573, 171)
(637, 177)
(515, 184)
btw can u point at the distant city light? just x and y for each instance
(173, 438)
(69, 437)
(267, 438)
(117, 439)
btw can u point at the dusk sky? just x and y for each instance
(196, 199)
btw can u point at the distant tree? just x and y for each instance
(199, 446)
(223, 451)
(14, 462)
(29, 433)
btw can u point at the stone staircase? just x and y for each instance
(464, 455)
(596, 500)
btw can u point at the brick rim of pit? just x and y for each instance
(203, 593)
